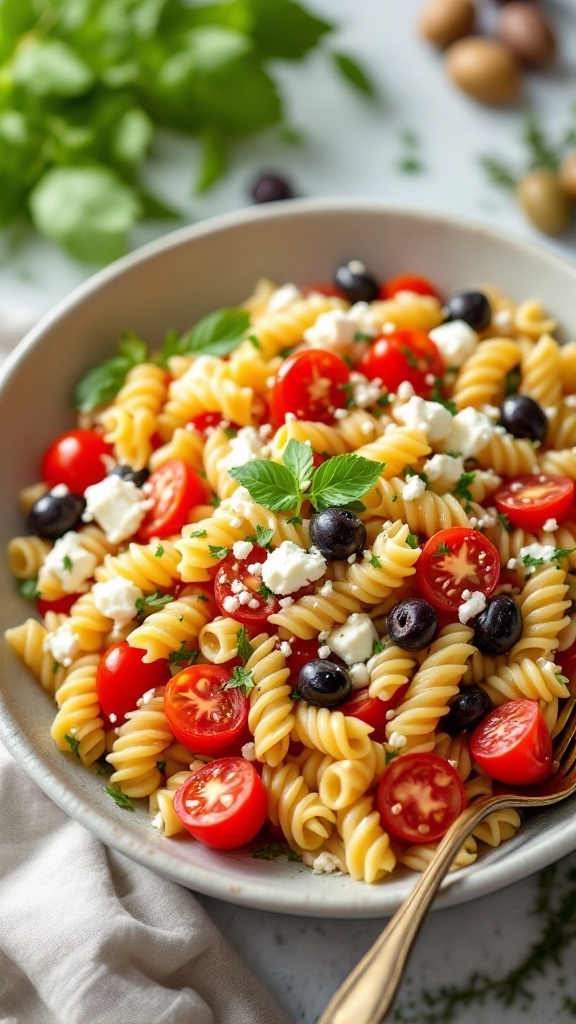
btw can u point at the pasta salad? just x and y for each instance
(310, 568)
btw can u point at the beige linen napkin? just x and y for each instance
(89, 937)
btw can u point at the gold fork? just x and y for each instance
(367, 994)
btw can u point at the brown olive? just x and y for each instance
(442, 22)
(528, 33)
(545, 202)
(485, 69)
(567, 174)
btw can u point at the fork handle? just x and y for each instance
(370, 989)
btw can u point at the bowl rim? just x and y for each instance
(456, 889)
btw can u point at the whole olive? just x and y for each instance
(523, 417)
(485, 69)
(472, 307)
(527, 31)
(270, 188)
(324, 683)
(466, 710)
(337, 533)
(135, 476)
(545, 201)
(567, 174)
(499, 626)
(442, 22)
(53, 515)
(356, 282)
(412, 623)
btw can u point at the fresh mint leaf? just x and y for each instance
(354, 73)
(342, 479)
(241, 680)
(217, 334)
(120, 798)
(245, 649)
(299, 459)
(269, 483)
(133, 348)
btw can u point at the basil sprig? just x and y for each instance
(283, 487)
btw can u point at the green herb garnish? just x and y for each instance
(375, 561)
(74, 744)
(217, 552)
(183, 656)
(245, 649)
(150, 601)
(120, 798)
(67, 563)
(103, 382)
(241, 680)
(159, 551)
(29, 589)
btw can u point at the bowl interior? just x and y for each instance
(171, 284)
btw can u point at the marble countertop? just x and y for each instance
(354, 149)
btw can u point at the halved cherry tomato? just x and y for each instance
(61, 605)
(202, 715)
(303, 651)
(407, 354)
(453, 561)
(513, 745)
(311, 384)
(224, 804)
(122, 677)
(419, 796)
(76, 459)
(234, 573)
(174, 488)
(407, 283)
(529, 501)
(372, 710)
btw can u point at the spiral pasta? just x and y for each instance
(78, 719)
(334, 733)
(427, 515)
(218, 639)
(481, 379)
(393, 560)
(367, 849)
(270, 718)
(138, 745)
(176, 624)
(300, 813)
(543, 604)
(131, 421)
(390, 669)
(152, 566)
(525, 679)
(397, 448)
(206, 387)
(27, 640)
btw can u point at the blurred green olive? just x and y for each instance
(545, 202)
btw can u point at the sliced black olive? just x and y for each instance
(136, 476)
(53, 515)
(337, 533)
(324, 684)
(412, 623)
(357, 284)
(271, 188)
(499, 626)
(466, 710)
(472, 307)
(523, 417)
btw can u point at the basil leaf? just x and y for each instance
(270, 484)
(343, 479)
(217, 334)
(299, 459)
(133, 348)
(51, 68)
(101, 384)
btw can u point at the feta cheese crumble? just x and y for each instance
(62, 644)
(245, 447)
(413, 488)
(283, 297)
(455, 340)
(550, 526)
(354, 641)
(448, 468)
(290, 567)
(474, 603)
(116, 598)
(117, 505)
(337, 329)
(470, 431)
(241, 549)
(70, 562)
(430, 417)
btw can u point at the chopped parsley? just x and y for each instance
(442, 549)
(74, 744)
(412, 540)
(217, 552)
(67, 563)
(378, 647)
(159, 551)
(149, 601)
(265, 591)
(198, 533)
(504, 521)
(183, 656)
(263, 536)
(375, 561)
(241, 679)
(120, 798)
(462, 488)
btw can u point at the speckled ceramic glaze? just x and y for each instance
(171, 284)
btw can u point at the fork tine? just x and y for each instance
(564, 736)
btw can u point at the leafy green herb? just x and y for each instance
(155, 600)
(245, 649)
(512, 382)
(241, 680)
(103, 382)
(461, 489)
(390, 755)
(355, 506)
(74, 744)
(560, 553)
(563, 680)
(202, 597)
(377, 647)
(159, 551)
(216, 334)
(67, 563)
(161, 766)
(265, 591)
(441, 549)
(532, 563)
(55, 667)
(504, 521)
(183, 656)
(29, 589)
(120, 798)
(89, 85)
(254, 341)
(498, 172)
(230, 432)
(437, 396)
(375, 561)
(284, 487)
(217, 552)
(412, 540)
(295, 520)
(215, 501)
(409, 355)
(198, 533)
(263, 536)
(542, 152)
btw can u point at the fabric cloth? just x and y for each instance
(89, 937)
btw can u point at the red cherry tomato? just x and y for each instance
(235, 571)
(61, 606)
(453, 561)
(407, 283)
(202, 715)
(372, 710)
(122, 677)
(303, 651)
(311, 384)
(205, 420)
(419, 796)
(174, 488)
(224, 804)
(76, 459)
(513, 745)
(529, 501)
(407, 354)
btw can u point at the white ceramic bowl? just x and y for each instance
(169, 285)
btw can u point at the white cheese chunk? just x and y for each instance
(474, 603)
(283, 297)
(325, 863)
(117, 505)
(116, 598)
(536, 552)
(241, 549)
(338, 328)
(245, 447)
(70, 562)
(430, 417)
(365, 392)
(413, 488)
(550, 526)
(359, 675)
(456, 341)
(290, 567)
(470, 431)
(62, 644)
(354, 641)
(445, 467)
